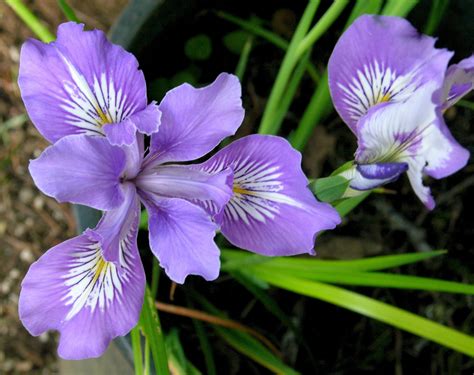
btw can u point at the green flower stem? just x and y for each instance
(244, 58)
(438, 7)
(466, 104)
(319, 107)
(269, 36)
(68, 11)
(151, 327)
(155, 278)
(290, 91)
(321, 26)
(137, 350)
(373, 309)
(364, 7)
(286, 69)
(399, 8)
(204, 343)
(254, 29)
(269, 123)
(147, 357)
(31, 20)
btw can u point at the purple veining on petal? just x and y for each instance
(272, 211)
(81, 82)
(90, 301)
(381, 59)
(408, 132)
(410, 142)
(94, 283)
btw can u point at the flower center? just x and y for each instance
(100, 267)
(385, 98)
(237, 189)
(104, 117)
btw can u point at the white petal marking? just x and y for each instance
(376, 84)
(94, 282)
(90, 108)
(257, 192)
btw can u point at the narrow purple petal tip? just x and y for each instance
(459, 81)
(370, 176)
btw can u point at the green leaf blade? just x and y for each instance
(374, 309)
(151, 327)
(68, 11)
(236, 259)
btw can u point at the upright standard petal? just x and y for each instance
(381, 59)
(409, 132)
(194, 121)
(272, 211)
(187, 182)
(90, 301)
(458, 82)
(182, 238)
(81, 82)
(81, 169)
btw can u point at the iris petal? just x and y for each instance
(459, 81)
(81, 169)
(182, 238)
(410, 132)
(194, 121)
(90, 301)
(81, 82)
(272, 211)
(187, 182)
(370, 176)
(381, 59)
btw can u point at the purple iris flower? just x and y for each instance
(391, 86)
(90, 288)
(67, 91)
